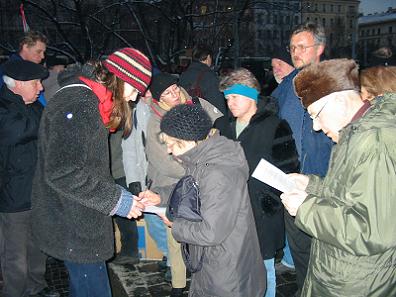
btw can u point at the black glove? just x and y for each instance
(135, 188)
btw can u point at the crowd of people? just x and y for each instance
(102, 142)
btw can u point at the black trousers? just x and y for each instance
(128, 230)
(300, 246)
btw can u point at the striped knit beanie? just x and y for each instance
(131, 66)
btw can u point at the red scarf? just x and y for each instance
(105, 98)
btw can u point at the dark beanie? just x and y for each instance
(24, 70)
(160, 83)
(319, 80)
(186, 122)
(282, 54)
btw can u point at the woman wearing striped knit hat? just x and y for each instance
(74, 194)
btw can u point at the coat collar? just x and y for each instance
(8, 95)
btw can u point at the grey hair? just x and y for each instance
(9, 81)
(316, 30)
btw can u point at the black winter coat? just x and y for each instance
(19, 124)
(270, 138)
(208, 84)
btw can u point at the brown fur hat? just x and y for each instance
(319, 80)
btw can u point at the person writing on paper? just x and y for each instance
(226, 235)
(349, 212)
(74, 194)
(162, 169)
(253, 117)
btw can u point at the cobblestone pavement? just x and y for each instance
(144, 280)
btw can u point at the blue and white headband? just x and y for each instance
(242, 90)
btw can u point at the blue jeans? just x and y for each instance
(287, 259)
(271, 277)
(88, 280)
(157, 231)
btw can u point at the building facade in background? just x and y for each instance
(375, 31)
(339, 18)
(167, 29)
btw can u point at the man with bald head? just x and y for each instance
(22, 263)
(349, 213)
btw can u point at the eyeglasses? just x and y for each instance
(317, 115)
(301, 48)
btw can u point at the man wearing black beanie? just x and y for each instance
(281, 64)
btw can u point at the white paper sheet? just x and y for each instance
(273, 176)
(155, 209)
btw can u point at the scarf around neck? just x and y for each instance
(105, 98)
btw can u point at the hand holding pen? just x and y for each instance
(148, 197)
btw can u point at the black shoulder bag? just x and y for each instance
(185, 203)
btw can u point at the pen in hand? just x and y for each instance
(148, 197)
(149, 183)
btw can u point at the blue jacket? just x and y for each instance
(313, 147)
(41, 97)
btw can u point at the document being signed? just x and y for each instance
(273, 176)
(155, 209)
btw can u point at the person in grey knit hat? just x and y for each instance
(186, 122)
(162, 169)
(218, 166)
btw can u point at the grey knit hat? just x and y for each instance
(186, 122)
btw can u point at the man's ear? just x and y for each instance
(321, 48)
(24, 47)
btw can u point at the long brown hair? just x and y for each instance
(121, 115)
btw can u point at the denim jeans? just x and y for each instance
(88, 280)
(287, 259)
(157, 231)
(271, 277)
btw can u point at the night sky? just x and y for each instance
(371, 6)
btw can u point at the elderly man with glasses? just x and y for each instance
(349, 212)
(307, 44)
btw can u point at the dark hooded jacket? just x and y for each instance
(200, 75)
(232, 264)
(270, 138)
